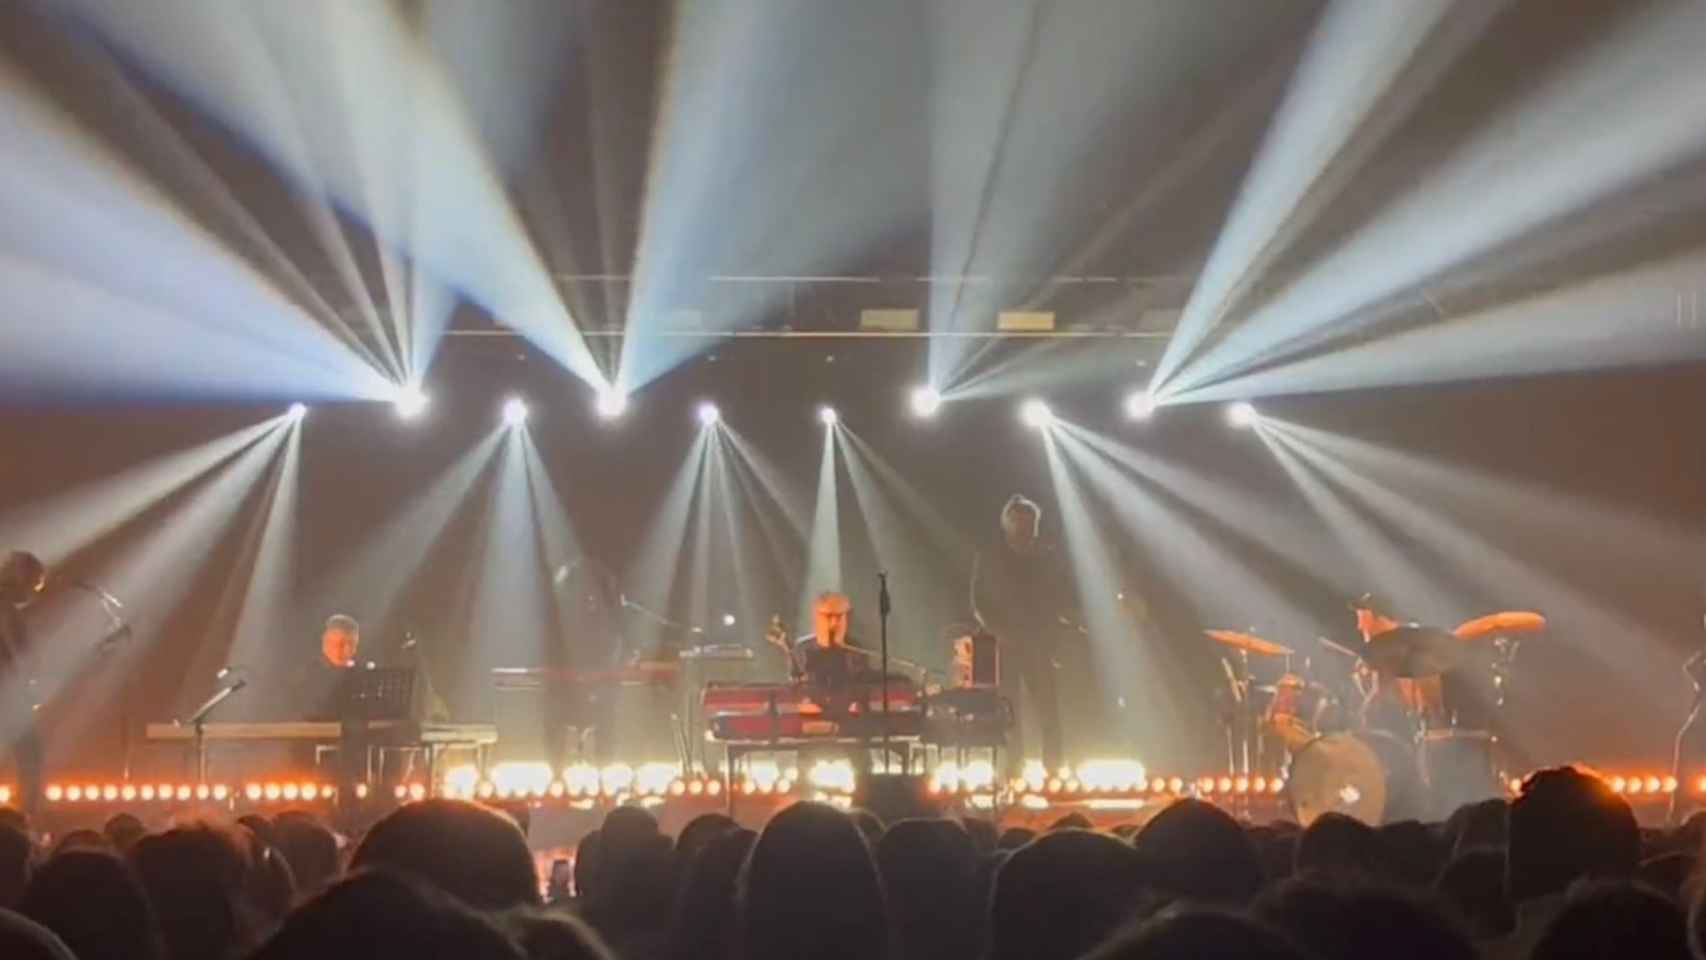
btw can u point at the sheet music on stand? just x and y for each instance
(377, 694)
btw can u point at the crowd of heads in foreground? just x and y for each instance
(1562, 870)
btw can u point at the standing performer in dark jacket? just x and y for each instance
(1020, 591)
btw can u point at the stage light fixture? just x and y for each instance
(515, 411)
(612, 403)
(827, 416)
(728, 619)
(410, 402)
(1139, 405)
(296, 412)
(1036, 413)
(925, 401)
(1242, 414)
(709, 414)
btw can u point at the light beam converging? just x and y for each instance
(373, 581)
(1650, 316)
(662, 568)
(928, 562)
(152, 553)
(1147, 721)
(1357, 82)
(326, 115)
(119, 317)
(1531, 168)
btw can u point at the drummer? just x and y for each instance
(1398, 705)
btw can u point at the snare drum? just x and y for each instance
(1370, 775)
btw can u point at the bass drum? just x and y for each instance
(1369, 775)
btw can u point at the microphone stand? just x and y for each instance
(118, 629)
(883, 609)
(198, 722)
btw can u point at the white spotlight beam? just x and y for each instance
(120, 316)
(375, 576)
(419, 177)
(1195, 528)
(823, 544)
(702, 165)
(779, 507)
(1128, 669)
(1634, 669)
(1653, 315)
(69, 521)
(153, 565)
(1531, 167)
(1361, 58)
(655, 570)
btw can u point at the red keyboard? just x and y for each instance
(770, 711)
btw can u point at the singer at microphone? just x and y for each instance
(828, 659)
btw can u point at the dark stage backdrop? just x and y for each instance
(477, 592)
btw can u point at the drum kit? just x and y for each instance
(1405, 730)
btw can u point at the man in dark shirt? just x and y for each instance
(1019, 593)
(22, 578)
(825, 660)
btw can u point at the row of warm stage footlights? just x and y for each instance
(1055, 787)
(925, 402)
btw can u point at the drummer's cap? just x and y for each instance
(1371, 601)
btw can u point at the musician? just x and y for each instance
(1390, 703)
(23, 577)
(1018, 591)
(340, 642)
(826, 660)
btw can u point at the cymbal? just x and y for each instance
(1248, 642)
(1500, 624)
(1339, 648)
(1415, 651)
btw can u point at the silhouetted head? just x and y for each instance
(636, 882)
(469, 851)
(1472, 886)
(553, 935)
(1196, 851)
(379, 915)
(698, 834)
(122, 830)
(84, 839)
(1613, 919)
(1013, 838)
(810, 888)
(929, 871)
(982, 833)
(1564, 826)
(1667, 873)
(17, 858)
(196, 878)
(1357, 920)
(93, 901)
(23, 939)
(705, 907)
(1342, 846)
(1197, 934)
(1060, 895)
(311, 849)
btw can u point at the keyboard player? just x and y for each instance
(828, 660)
